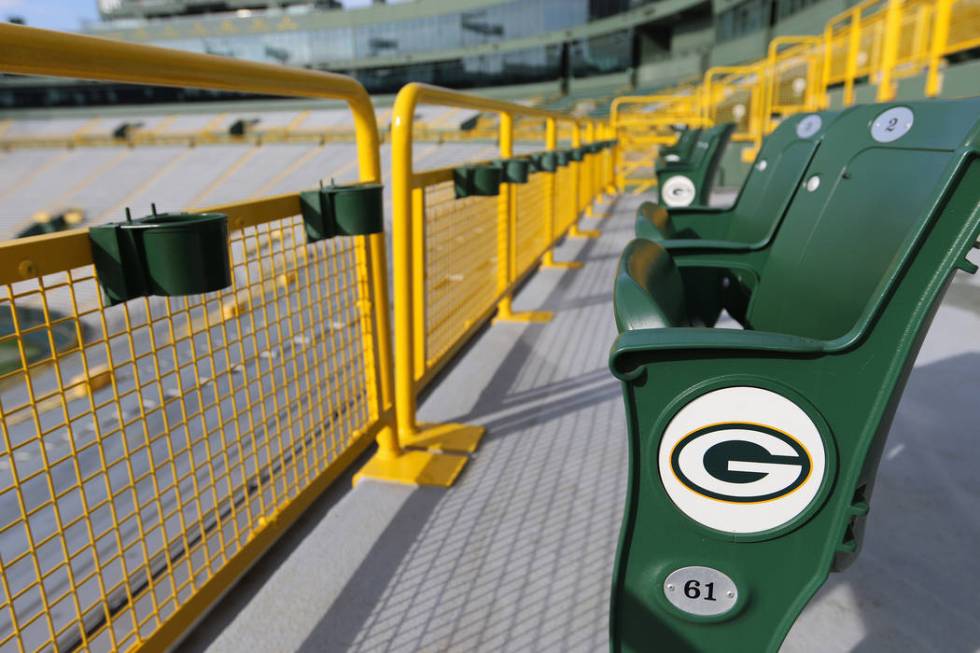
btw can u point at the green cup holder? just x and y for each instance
(478, 181)
(577, 153)
(166, 254)
(564, 157)
(345, 210)
(514, 171)
(544, 162)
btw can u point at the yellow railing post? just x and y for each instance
(397, 459)
(551, 206)
(505, 220)
(589, 172)
(940, 35)
(418, 272)
(757, 116)
(853, 50)
(506, 237)
(578, 182)
(619, 174)
(595, 188)
(613, 156)
(893, 32)
(828, 60)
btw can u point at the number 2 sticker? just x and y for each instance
(892, 124)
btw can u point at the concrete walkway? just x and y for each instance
(518, 556)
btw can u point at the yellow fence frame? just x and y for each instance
(40, 52)
(407, 452)
(400, 461)
(880, 40)
(641, 133)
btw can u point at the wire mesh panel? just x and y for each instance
(582, 175)
(144, 444)
(793, 77)
(915, 29)
(839, 45)
(871, 41)
(736, 98)
(460, 240)
(531, 221)
(565, 201)
(964, 26)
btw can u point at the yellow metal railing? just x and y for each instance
(641, 124)
(458, 262)
(880, 41)
(152, 450)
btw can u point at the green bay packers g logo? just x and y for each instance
(740, 462)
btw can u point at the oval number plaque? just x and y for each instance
(700, 591)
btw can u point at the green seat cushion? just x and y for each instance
(649, 291)
(653, 222)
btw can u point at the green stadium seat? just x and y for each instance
(767, 189)
(688, 181)
(682, 149)
(753, 452)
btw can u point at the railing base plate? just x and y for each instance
(563, 265)
(414, 468)
(575, 232)
(451, 437)
(524, 316)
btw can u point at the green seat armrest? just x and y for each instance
(699, 246)
(695, 209)
(674, 166)
(707, 226)
(659, 224)
(633, 348)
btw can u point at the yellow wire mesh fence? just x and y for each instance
(531, 229)
(460, 263)
(566, 211)
(145, 444)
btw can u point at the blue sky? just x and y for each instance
(69, 14)
(52, 14)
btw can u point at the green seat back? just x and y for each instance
(684, 145)
(841, 240)
(710, 144)
(775, 175)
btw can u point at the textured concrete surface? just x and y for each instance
(518, 556)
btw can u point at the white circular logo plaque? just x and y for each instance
(742, 460)
(678, 191)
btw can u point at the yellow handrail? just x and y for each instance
(268, 250)
(639, 133)
(882, 40)
(408, 207)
